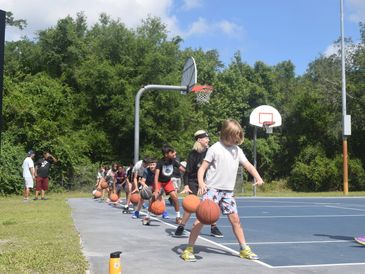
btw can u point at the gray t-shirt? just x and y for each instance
(223, 165)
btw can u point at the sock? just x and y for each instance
(177, 214)
(243, 246)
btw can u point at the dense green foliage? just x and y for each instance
(72, 91)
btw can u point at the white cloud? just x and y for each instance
(332, 50)
(192, 4)
(41, 14)
(357, 10)
(230, 28)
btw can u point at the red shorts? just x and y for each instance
(41, 183)
(166, 186)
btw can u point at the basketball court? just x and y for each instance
(298, 232)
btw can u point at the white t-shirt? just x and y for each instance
(138, 168)
(223, 166)
(27, 164)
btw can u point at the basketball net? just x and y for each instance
(266, 126)
(202, 93)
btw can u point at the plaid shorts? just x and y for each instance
(225, 200)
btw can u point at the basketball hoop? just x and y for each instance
(267, 126)
(202, 93)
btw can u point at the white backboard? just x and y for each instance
(265, 114)
(189, 74)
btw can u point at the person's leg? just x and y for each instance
(38, 187)
(188, 253)
(44, 187)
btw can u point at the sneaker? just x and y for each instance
(165, 215)
(248, 254)
(215, 232)
(135, 215)
(44, 198)
(146, 221)
(179, 230)
(178, 220)
(360, 240)
(35, 199)
(188, 255)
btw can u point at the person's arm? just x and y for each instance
(201, 171)
(32, 171)
(54, 160)
(253, 171)
(157, 174)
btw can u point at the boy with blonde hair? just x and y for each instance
(221, 164)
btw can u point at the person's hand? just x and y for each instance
(134, 191)
(259, 182)
(186, 190)
(202, 189)
(156, 194)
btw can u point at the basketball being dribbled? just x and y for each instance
(104, 184)
(191, 203)
(208, 212)
(146, 193)
(97, 193)
(157, 207)
(113, 197)
(135, 197)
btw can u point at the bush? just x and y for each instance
(313, 171)
(11, 161)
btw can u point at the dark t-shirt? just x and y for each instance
(193, 164)
(43, 166)
(166, 167)
(149, 176)
(120, 177)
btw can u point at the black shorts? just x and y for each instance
(194, 186)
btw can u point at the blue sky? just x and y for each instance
(262, 30)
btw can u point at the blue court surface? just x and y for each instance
(297, 232)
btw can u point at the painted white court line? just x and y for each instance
(235, 252)
(289, 243)
(316, 265)
(292, 216)
(350, 208)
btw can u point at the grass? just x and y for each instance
(39, 236)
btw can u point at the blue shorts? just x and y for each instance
(223, 198)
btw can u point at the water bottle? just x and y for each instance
(115, 267)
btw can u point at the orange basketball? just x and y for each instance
(157, 207)
(135, 197)
(113, 197)
(103, 184)
(191, 203)
(208, 212)
(97, 194)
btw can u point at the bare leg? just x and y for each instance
(197, 226)
(175, 200)
(237, 228)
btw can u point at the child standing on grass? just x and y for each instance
(221, 165)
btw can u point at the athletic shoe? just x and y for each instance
(35, 199)
(179, 230)
(178, 220)
(44, 198)
(215, 232)
(360, 240)
(146, 220)
(188, 255)
(165, 215)
(135, 215)
(248, 254)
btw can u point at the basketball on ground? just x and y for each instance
(135, 197)
(113, 197)
(157, 207)
(208, 212)
(191, 203)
